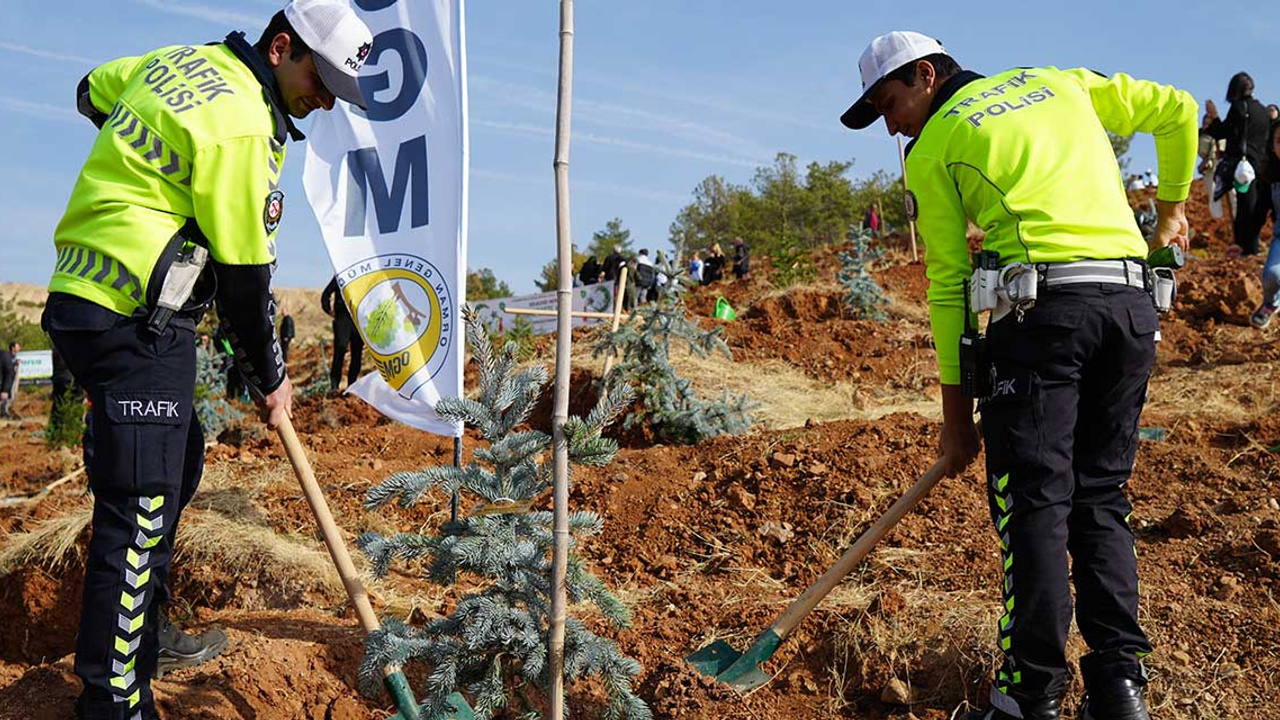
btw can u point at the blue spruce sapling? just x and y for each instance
(668, 402)
(863, 296)
(493, 647)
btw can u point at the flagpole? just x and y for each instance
(564, 335)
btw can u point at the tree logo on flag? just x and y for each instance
(404, 308)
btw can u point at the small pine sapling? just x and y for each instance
(318, 385)
(493, 647)
(215, 413)
(668, 402)
(863, 296)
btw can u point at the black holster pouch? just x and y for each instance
(183, 282)
(975, 372)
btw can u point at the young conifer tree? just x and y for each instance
(667, 401)
(493, 647)
(863, 296)
(211, 405)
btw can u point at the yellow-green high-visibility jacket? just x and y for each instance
(1025, 156)
(188, 134)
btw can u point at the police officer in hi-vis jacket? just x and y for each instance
(1061, 375)
(176, 207)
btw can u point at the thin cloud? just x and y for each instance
(622, 191)
(614, 115)
(735, 109)
(46, 54)
(207, 12)
(539, 131)
(40, 110)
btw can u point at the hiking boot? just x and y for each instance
(1262, 316)
(1118, 699)
(179, 650)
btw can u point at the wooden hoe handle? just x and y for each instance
(328, 528)
(855, 554)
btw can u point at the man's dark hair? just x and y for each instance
(280, 24)
(944, 65)
(1240, 87)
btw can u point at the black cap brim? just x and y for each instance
(342, 85)
(861, 113)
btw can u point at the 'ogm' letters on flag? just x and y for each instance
(389, 186)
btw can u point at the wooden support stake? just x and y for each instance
(617, 316)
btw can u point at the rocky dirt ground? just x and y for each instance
(712, 541)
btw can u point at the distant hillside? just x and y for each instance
(303, 303)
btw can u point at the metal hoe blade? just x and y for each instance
(740, 671)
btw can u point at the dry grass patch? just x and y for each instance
(1235, 394)
(289, 563)
(788, 398)
(53, 543)
(940, 644)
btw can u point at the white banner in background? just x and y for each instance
(586, 298)
(389, 189)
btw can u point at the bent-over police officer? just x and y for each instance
(1061, 374)
(176, 207)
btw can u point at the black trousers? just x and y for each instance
(1069, 383)
(344, 334)
(1252, 209)
(146, 461)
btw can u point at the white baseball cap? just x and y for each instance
(884, 55)
(339, 41)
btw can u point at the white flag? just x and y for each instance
(389, 188)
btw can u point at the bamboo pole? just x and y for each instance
(617, 317)
(902, 158)
(564, 336)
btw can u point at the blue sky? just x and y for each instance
(666, 94)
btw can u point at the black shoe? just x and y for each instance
(1118, 699)
(1049, 709)
(179, 650)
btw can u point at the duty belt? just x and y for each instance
(1115, 272)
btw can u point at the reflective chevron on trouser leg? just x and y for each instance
(132, 614)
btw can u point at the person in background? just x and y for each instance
(713, 268)
(872, 221)
(1246, 129)
(1261, 317)
(1137, 183)
(629, 291)
(288, 331)
(1209, 152)
(741, 258)
(646, 277)
(695, 269)
(1273, 111)
(591, 271)
(1151, 179)
(613, 264)
(8, 375)
(345, 335)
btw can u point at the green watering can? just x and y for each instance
(725, 311)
